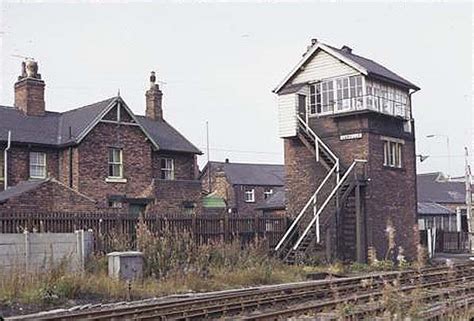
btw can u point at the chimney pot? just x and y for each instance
(154, 98)
(346, 49)
(227, 160)
(314, 41)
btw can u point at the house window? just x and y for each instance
(167, 168)
(115, 204)
(267, 193)
(37, 165)
(115, 163)
(250, 195)
(392, 153)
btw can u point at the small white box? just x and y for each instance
(125, 265)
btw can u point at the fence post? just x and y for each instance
(27, 249)
(256, 226)
(226, 228)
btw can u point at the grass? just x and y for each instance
(173, 265)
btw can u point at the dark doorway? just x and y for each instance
(137, 209)
(302, 106)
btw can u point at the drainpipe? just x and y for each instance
(5, 160)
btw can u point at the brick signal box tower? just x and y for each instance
(350, 157)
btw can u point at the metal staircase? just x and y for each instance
(305, 230)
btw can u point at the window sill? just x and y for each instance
(249, 201)
(115, 180)
(401, 169)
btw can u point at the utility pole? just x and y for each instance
(208, 159)
(470, 219)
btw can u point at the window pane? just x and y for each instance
(37, 164)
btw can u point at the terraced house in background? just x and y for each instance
(244, 187)
(102, 154)
(349, 144)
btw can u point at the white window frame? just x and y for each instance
(38, 161)
(167, 171)
(114, 162)
(392, 152)
(115, 204)
(249, 194)
(267, 193)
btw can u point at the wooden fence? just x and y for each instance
(447, 242)
(107, 226)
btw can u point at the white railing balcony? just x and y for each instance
(361, 103)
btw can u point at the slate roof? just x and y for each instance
(365, 65)
(374, 69)
(52, 129)
(251, 174)
(20, 188)
(434, 188)
(426, 208)
(275, 202)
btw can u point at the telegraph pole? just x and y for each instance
(470, 219)
(208, 158)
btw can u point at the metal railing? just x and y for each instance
(317, 141)
(313, 199)
(316, 217)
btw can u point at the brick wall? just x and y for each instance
(390, 193)
(239, 202)
(19, 163)
(93, 155)
(185, 165)
(170, 196)
(29, 96)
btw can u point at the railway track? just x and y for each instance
(311, 296)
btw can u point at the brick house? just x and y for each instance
(242, 186)
(349, 145)
(102, 151)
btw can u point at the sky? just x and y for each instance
(218, 63)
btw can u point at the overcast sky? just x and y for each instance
(219, 63)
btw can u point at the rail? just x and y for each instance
(335, 189)
(322, 295)
(313, 198)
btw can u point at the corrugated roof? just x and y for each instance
(57, 129)
(274, 202)
(434, 188)
(426, 208)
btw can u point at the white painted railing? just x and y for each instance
(316, 217)
(313, 200)
(334, 170)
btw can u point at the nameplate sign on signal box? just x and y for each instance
(350, 136)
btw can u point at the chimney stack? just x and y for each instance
(154, 97)
(29, 90)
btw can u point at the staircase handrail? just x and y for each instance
(341, 181)
(301, 214)
(317, 139)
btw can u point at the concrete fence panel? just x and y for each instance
(40, 251)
